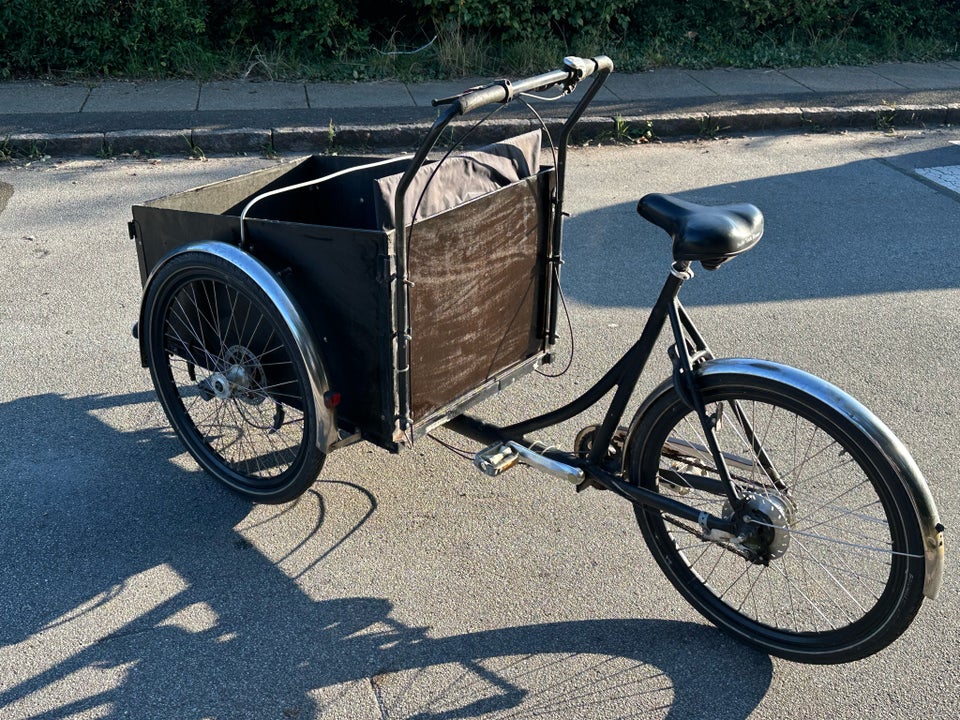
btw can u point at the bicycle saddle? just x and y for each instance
(710, 234)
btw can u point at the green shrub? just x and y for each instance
(97, 36)
(342, 37)
(313, 27)
(150, 37)
(783, 32)
(519, 18)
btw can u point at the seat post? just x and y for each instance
(680, 269)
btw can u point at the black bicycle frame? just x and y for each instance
(689, 349)
(624, 375)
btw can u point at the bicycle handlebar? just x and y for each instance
(574, 69)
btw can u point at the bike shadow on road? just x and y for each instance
(862, 228)
(128, 591)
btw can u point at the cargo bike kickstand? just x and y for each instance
(293, 310)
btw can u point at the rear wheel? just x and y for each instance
(230, 378)
(827, 564)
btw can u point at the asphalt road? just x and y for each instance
(133, 586)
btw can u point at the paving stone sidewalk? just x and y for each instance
(180, 116)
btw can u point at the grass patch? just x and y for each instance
(629, 133)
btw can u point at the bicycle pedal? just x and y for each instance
(496, 459)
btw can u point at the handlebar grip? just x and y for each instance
(499, 93)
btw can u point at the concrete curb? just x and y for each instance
(390, 137)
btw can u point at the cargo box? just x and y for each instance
(477, 277)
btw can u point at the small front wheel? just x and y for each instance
(828, 564)
(230, 378)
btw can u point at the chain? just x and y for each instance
(698, 533)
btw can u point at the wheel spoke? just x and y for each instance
(254, 425)
(815, 551)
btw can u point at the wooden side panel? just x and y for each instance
(339, 276)
(476, 300)
(340, 279)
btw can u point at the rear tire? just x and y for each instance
(230, 378)
(843, 549)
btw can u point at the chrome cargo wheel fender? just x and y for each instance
(881, 436)
(257, 272)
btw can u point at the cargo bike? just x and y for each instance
(294, 310)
